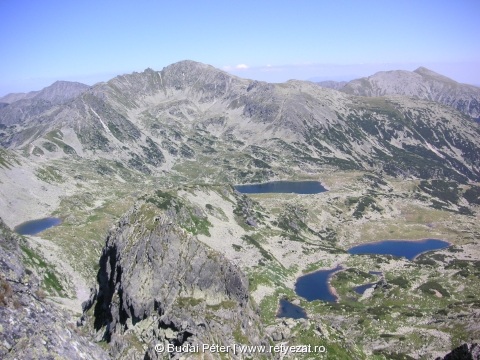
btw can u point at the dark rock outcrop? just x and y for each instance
(463, 352)
(159, 285)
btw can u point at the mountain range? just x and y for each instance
(153, 120)
(156, 247)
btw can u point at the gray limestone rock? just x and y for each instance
(30, 326)
(159, 284)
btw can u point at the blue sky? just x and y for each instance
(90, 41)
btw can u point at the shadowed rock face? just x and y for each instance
(159, 284)
(463, 352)
(31, 327)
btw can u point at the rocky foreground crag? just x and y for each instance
(30, 326)
(158, 284)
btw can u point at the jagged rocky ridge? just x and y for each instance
(31, 327)
(158, 284)
(153, 120)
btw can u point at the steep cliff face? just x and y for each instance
(158, 284)
(30, 326)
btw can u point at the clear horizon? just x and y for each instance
(270, 40)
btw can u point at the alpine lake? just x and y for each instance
(34, 227)
(316, 285)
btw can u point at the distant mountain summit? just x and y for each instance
(61, 91)
(17, 107)
(58, 92)
(422, 84)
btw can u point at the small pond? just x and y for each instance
(296, 187)
(361, 289)
(35, 226)
(288, 310)
(316, 286)
(408, 249)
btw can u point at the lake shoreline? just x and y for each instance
(30, 227)
(410, 240)
(302, 187)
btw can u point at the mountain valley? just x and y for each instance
(157, 247)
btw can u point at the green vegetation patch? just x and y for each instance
(237, 247)
(198, 224)
(51, 147)
(153, 154)
(4, 159)
(366, 202)
(225, 304)
(190, 218)
(250, 240)
(55, 139)
(37, 151)
(162, 200)
(445, 191)
(400, 281)
(50, 175)
(431, 286)
(472, 195)
(50, 281)
(188, 302)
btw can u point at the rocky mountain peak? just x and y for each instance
(61, 91)
(189, 66)
(57, 93)
(422, 83)
(193, 75)
(423, 71)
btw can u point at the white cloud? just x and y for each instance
(241, 67)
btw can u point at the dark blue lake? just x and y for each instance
(288, 310)
(35, 226)
(315, 286)
(408, 249)
(296, 187)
